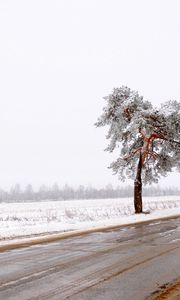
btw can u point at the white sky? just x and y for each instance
(57, 60)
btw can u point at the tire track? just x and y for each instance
(99, 276)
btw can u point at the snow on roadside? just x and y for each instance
(24, 219)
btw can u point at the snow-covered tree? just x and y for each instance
(148, 138)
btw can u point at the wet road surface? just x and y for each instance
(126, 263)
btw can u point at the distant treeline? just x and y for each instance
(16, 194)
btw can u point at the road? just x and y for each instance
(127, 263)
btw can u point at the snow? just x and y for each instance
(27, 219)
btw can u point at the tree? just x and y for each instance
(43, 192)
(29, 193)
(55, 191)
(15, 192)
(148, 138)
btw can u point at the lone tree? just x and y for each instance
(148, 138)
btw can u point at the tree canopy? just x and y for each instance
(136, 127)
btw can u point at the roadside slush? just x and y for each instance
(49, 238)
(170, 291)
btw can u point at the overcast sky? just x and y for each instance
(58, 59)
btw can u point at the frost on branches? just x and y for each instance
(148, 138)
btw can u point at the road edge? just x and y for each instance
(167, 291)
(27, 242)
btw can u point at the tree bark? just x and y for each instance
(138, 188)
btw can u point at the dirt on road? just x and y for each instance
(168, 292)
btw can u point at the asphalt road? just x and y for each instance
(128, 263)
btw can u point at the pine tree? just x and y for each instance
(148, 138)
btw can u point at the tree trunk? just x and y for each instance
(138, 188)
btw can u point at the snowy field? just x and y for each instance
(24, 219)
